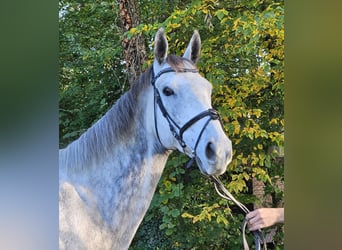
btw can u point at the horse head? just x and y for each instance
(183, 115)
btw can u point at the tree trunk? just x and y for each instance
(134, 48)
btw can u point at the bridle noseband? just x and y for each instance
(211, 113)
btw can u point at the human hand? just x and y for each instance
(264, 217)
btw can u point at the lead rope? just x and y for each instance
(225, 194)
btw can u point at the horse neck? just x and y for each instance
(124, 136)
(121, 182)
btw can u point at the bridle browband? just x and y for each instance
(213, 115)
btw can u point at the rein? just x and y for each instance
(212, 115)
(225, 194)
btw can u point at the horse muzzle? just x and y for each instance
(214, 158)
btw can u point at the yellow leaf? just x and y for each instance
(187, 215)
(273, 121)
(236, 23)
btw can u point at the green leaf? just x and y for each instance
(221, 13)
(175, 212)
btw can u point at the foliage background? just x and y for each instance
(243, 57)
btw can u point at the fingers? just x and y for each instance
(256, 219)
(255, 224)
(252, 214)
(264, 217)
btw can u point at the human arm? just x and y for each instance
(264, 217)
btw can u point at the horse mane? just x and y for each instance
(115, 125)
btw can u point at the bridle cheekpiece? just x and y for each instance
(176, 130)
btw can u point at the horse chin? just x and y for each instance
(209, 170)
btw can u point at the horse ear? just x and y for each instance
(160, 46)
(193, 50)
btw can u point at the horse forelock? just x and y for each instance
(178, 63)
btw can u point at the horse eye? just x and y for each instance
(167, 91)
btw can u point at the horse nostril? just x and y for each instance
(210, 151)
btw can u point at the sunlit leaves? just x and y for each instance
(243, 57)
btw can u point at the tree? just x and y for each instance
(91, 64)
(134, 48)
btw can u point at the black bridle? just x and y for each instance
(176, 130)
(212, 114)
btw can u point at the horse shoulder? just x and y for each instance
(80, 225)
